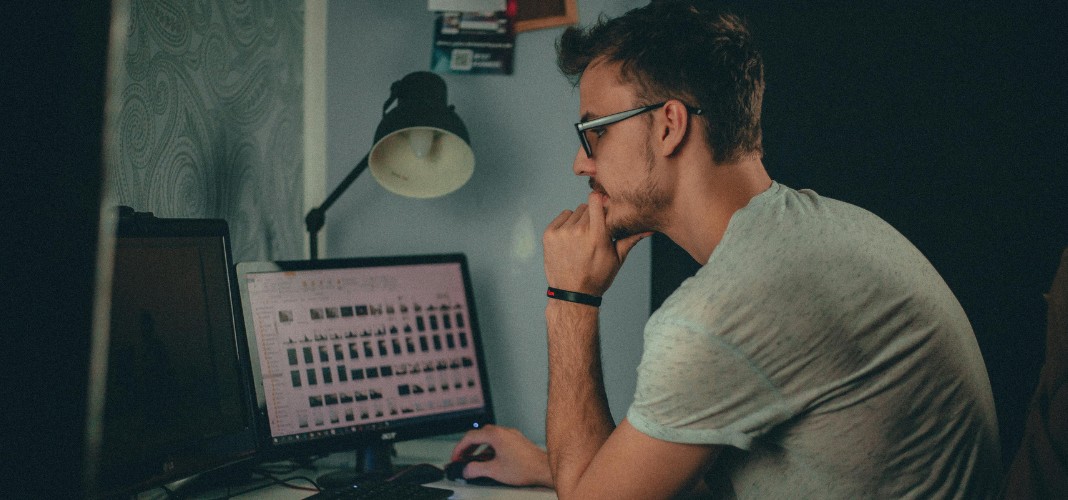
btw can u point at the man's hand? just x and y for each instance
(517, 460)
(580, 255)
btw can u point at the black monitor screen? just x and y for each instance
(177, 398)
(354, 352)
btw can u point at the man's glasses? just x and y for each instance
(597, 124)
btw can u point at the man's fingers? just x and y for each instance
(560, 219)
(479, 469)
(471, 440)
(596, 204)
(579, 213)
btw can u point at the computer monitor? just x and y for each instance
(178, 397)
(354, 354)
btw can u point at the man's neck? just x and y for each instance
(707, 196)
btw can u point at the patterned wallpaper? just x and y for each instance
(211, 121)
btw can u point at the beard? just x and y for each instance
(648, 203)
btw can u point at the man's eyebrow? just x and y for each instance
(587, 116)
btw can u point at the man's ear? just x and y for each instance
(674, 127)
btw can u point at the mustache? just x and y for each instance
(594, 185)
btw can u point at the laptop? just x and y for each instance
(177, 398)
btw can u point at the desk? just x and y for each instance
(433, 451)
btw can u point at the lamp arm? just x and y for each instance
(316, 217)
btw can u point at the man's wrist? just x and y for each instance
(565, 314)
(576, 297)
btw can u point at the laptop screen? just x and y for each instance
(177, 399)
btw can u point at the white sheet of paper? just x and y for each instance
(467, 5)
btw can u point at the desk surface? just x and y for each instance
(433, 451)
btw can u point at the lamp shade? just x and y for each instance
(421, 147)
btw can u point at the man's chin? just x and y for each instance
(621, 232)
(626, 226)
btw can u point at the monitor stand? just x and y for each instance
(372, 462)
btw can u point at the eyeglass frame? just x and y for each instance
(582, 127)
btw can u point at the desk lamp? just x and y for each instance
(421, 148)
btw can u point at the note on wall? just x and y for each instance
(471, 42)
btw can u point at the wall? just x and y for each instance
(211, 122)
(524, 142)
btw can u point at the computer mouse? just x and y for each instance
(454, 471)
(418, 474)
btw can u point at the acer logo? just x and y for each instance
(389, 436)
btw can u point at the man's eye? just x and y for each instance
(599, 131)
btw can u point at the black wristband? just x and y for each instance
(576, 297)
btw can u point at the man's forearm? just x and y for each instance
(578, 420)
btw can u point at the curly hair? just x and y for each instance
(676, 50)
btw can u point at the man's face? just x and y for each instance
(623, 167)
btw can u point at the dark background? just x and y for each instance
(948, 121)
(52, 90)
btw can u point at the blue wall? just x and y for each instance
(524, 142)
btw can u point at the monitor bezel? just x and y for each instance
(156, 469)
(403, 429)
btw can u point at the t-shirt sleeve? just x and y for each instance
(695, 387)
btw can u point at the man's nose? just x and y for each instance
(582, 165)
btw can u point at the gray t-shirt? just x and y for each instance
(828, 355)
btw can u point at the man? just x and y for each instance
(815, 354)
